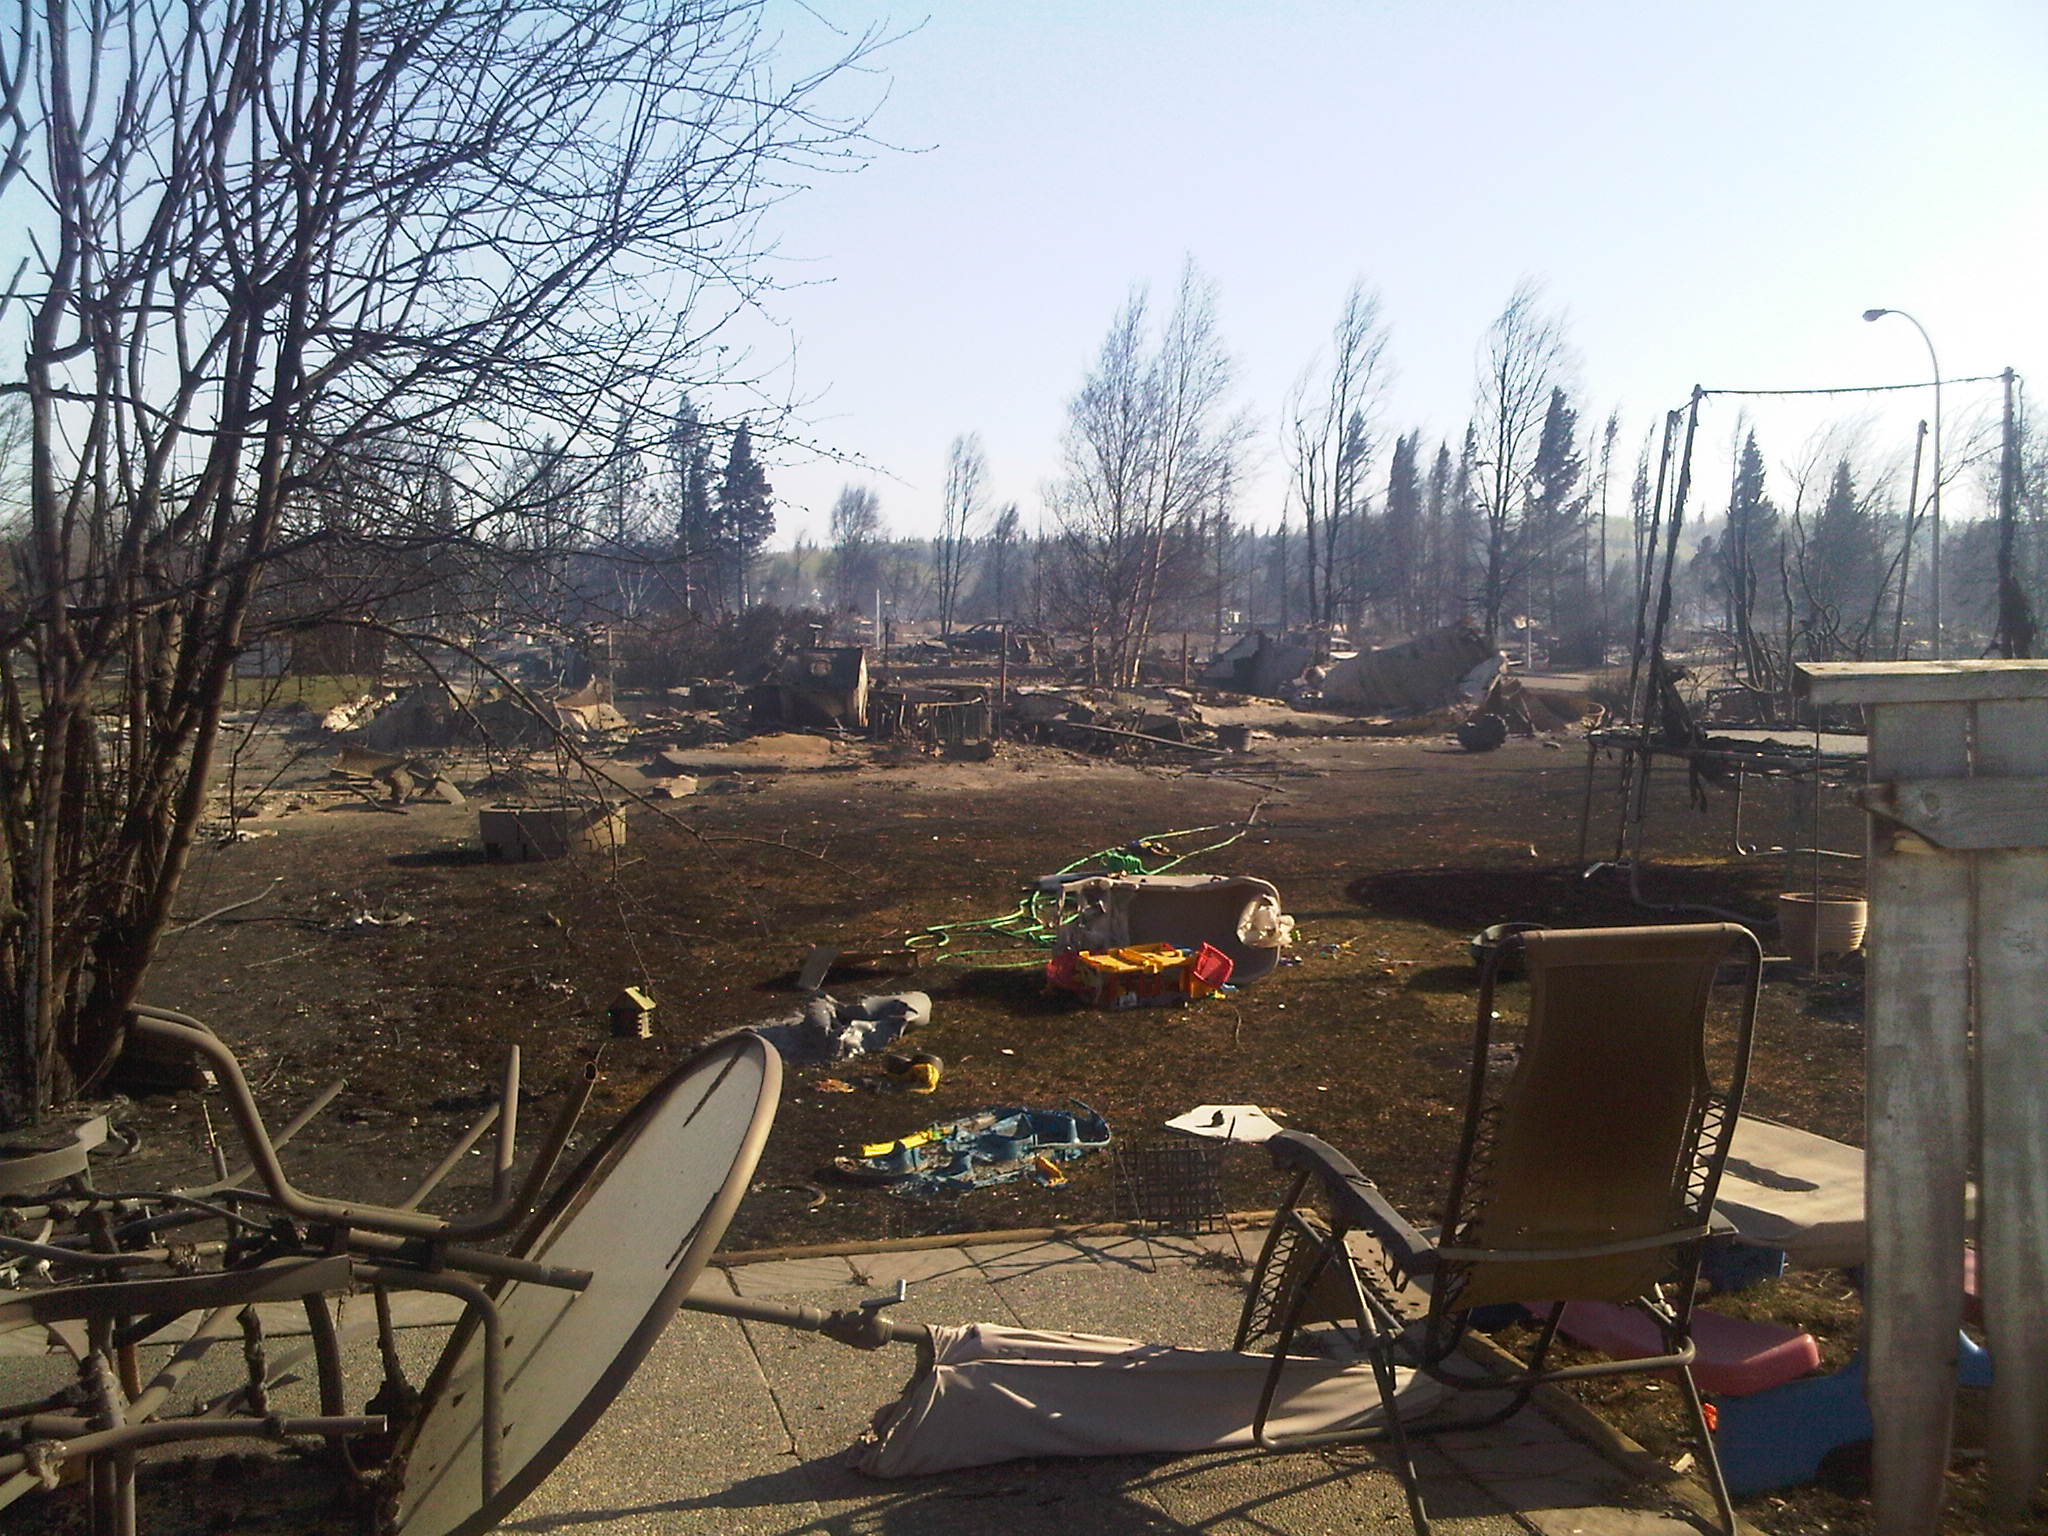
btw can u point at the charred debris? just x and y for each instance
(513, 733)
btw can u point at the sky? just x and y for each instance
(1709, 194)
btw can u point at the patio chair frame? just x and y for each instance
(1338, 1252)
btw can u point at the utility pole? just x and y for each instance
(1935, 363)
(2016, 630)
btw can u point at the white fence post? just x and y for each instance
(1956, 1016)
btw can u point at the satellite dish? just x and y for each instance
(642, 1214)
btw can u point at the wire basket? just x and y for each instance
(1173, 1186)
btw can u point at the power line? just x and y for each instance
(1858, 389)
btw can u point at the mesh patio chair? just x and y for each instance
(1586, 1171)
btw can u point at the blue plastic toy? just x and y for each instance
(1778, 1438)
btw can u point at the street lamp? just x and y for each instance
(1935, 363)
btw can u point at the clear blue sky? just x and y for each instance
(1711, 194)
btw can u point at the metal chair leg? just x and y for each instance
(1710, 1458)
(1397, 1434)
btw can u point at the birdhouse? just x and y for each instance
(632, 1015)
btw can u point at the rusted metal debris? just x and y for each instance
(1150, 740)
(942, 716)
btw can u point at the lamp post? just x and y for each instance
(1935, 363)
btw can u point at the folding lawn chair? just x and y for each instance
(1586, 1171)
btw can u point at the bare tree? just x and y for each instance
(1523, 360)
(856, 554)
(1099, 501)
(1330, 415)
(961, 511)
(1150, 451)
(273, 242)
(999, 564)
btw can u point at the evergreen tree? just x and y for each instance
(746, 511)
(1843, 569)
(1436, 602)
(622, 533)
(1558, 465)
(621, 487)
(1403, 529)
(1466, 523)
(689, 447)
(1555, 507)
(1745, 549)
(1602, 564)
(1355, 535)
(999, 580)
(1832, 554)
(1642, 514)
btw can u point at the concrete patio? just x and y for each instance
(732, 1427)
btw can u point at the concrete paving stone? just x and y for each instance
(1001, 1260)
(792, 1277)
(716, 1280)
(221, 1368)
(1244, 1244)
(826, 1392)
(694, 1443)
(287, 1319)
(24, 1377)
(1593, 1521)
(1530, 1497)
(1181, 1305)
(1020, 1498)
(1254, 1493)
(1222, 1251)
(1145, 1252)
(413, 1309)
(1529, 1427)
(1376, 1456)
(914, 1266)
(959, 1297)
(1563, 1457)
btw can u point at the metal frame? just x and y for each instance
(1638, 757)
(315, 1248)
(310, 1248)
